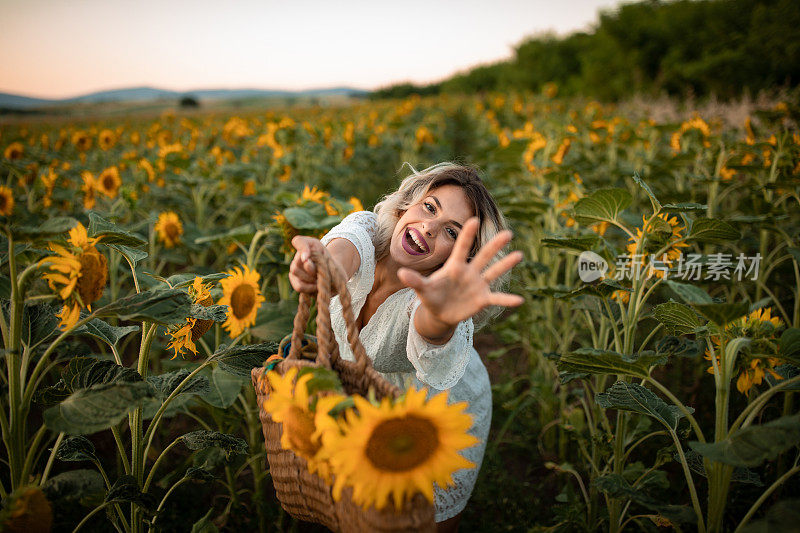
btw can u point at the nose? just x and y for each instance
(428, 228)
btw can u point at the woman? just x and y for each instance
(417, 271)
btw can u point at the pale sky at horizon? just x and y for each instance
(58, 49)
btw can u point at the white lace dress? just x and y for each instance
(404, 358)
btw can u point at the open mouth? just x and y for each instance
(414, 243)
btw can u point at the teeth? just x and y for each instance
(416, 240)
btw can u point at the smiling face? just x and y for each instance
(425, 234)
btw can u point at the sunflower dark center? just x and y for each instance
(172, 230)
(108, 182)
(94, 274)
(400, 444)
(242, 300)
(3, 201)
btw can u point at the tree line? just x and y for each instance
(685, 47)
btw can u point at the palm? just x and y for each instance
(460, 289)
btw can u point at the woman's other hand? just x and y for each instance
(302, 271)
(460, 289)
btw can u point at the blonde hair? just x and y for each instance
(416, 186)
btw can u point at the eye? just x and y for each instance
(452, 232)
(429, 207)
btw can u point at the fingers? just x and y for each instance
(465, 239)
(505, 299)
(502, 266)
(491, 248)
(411, 278)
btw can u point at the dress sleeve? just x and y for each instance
(359, 228)
(439, 366)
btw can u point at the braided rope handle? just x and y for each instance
(329, 275)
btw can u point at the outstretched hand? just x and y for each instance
(460, 289)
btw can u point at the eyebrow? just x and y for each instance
(440, 206)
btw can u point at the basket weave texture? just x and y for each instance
(307, 496)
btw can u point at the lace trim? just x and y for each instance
(440, 366)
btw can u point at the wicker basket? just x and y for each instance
(302, 494)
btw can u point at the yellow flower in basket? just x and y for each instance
(289, 404)
(396, 450)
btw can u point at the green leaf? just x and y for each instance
(217, 313)
(199, 440)
(39, 323)
(595, 361)
(224, 388)
(178, 281)
(691, 294)
(126, 490)
(50, 228)
(76, 448)
(111, 233)
(243, 233)
(786, 372)
(240, 360)
(274, 321)
(111, 335)
(582, 243)
(679, 346)
(740, 474)
(602, 289)
(617, 486)
(91, 410)
(205, 525)
(133, 255)
(683, 207)
(73, 486)
(781, 517)
(722, 314)
(712, 230)
(789, 345)
(753, 445)
(165, 384)
(199, 474)
(677, 318)
(633, 397)
(653, 200)
(163, 306)
(323, 379)
(603, 205)
(312, 216)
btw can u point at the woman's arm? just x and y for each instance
(433, 330)
(302, 273)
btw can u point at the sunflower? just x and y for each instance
(356, 203)
(755, 372)
(106, 139)
(14, 151)
(249, 188)
(89, 189)
(240, 292)
(81, 271)
(563, 148)
(312, 194)
(184, 337)
(109, 181)
(303, 428)
(395, 450)
(169, 228)
(667, 258)
(287, 174)
(81, 140)
(148, 168)
(6, 201)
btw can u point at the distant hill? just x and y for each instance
(143, 94)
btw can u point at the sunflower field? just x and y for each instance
(646, 384)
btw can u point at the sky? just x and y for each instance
(58, 49)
